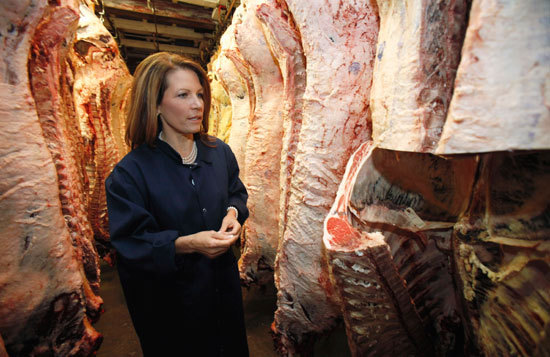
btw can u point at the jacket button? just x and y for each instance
(204, 210)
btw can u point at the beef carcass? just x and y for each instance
(50, 79)
(235, 77)
(502, 252)
(219, 122)
(418, 53)
(285, 44)
(240, 108)
(3, 352)
(119, 106)
(388, 241)
(411, 191)
(502, 91)
(46, 300)
(339, 42)
(262, 162)
(98, 69)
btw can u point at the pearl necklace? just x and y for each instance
(189, 159)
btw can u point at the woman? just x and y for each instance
(176, 205)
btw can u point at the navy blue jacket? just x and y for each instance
(187, 299)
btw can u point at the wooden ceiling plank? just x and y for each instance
(163, 30)
(205, 3)
(197, 16)
(162, 47)
(159, 19)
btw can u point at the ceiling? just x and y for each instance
(142, 27)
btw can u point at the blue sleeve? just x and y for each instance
(237, 192)
(135, 234)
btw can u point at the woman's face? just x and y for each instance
(182, 104)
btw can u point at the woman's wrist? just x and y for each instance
(184, 244)
(233, 209)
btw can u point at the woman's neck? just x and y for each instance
(182, 143)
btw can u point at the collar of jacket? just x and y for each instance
(204, 153)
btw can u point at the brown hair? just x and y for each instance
(147, 91)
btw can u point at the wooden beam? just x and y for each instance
(163, 30)
(229, 10)
(162, 47)
(187, 15)
(205, 3)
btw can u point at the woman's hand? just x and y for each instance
(230, 224)
(209, 243)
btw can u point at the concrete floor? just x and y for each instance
(259, 304)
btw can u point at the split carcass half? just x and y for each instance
(339, 44)
(285, 44)
(235, 77)
(417, 57)
(263, 150)
(502, 253)
(235, 74)
(501, 98)
(49, 269)
(101, 83)
(219, 121)
(388, 242)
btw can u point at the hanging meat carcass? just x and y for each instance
(502, 88)
(262, 162)
(388, 240)
(235, 77)
(51, 80)
(418, 53)
(391, 252)
(101, 83)
(219, 121)
(49, 270)
(235, 74)
(502, 253)
(285, 44)
(405, 275)
(3, 352)
(339, 42)
(64, 92)
(498, 249)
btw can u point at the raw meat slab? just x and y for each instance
(263, 150)
(418, 52)
(46, 302)
(285, 44)
(502, 250)
(339, 42)
(375, 239)
(237, 86)
(97, 72)
(501, 99)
